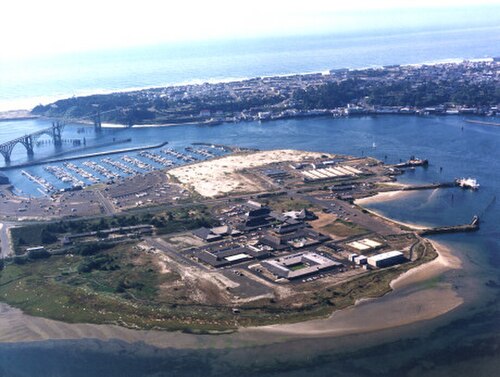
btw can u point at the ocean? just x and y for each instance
(26, 83)
(463, 342)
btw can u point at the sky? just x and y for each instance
(47, 27)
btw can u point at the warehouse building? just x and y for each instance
(299, 265)
(386, 259)
(228, 256)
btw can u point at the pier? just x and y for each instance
(430, 186)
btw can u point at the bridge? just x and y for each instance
(28, 141)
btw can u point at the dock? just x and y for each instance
(429, 186)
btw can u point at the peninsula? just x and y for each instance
(281, 240)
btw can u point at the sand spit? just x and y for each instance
(222, 176)
(444, 262)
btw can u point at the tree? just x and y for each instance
(47, 237)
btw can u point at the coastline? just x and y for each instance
(29, 103)
(409, 302)
(388, 196)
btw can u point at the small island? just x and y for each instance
(247, 238)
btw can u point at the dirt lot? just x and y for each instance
(206, 177)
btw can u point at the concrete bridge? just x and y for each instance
(28, 141)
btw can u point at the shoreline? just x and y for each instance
(402, 306)
(24, 103)
(416, 304)
(388, 196)
(407, 303)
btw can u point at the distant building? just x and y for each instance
(206, 234)
(257, 217)
(276, 173)
(216, 233)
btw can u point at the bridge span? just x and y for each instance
(28, 141)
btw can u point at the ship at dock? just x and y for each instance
(467, 183)
(412, 162)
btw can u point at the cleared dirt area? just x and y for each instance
(222, 176)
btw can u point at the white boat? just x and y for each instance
(467, 183)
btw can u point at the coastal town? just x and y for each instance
(469, 87)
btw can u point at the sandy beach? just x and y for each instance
(384, 197)
(409, 302)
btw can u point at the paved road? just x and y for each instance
(355, 215)
(4, 241)
(162, 245)
(106, 203)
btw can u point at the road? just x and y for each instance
(4, 241)
(346, 210)
(162, 245)
(106, 203)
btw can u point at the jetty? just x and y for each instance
(485, 123)
(472, 227)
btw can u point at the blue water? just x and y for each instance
(26, 83)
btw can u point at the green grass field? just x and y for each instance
(343, 228)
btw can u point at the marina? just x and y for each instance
(101, 170)
(138, 163)
(157, 158)
(64, 176)
(46, 186)
(68, 173)
(120, 166)
(180, 156)
(82, 172)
